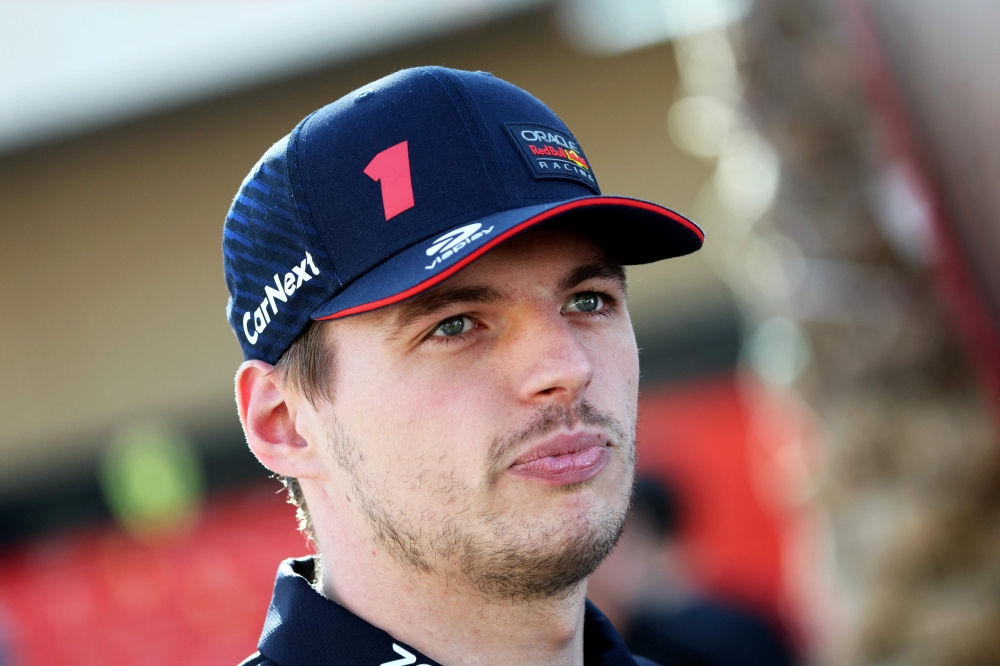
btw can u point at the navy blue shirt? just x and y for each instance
(304, 628)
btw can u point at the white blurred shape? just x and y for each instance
(699, 125)
(707, 65)
(774, 266)
(748, 174)
(904, 214)
(778, 351)
(618, 26)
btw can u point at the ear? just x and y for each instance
(269, 414)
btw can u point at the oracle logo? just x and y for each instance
(548, 137)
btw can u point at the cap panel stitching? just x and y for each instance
(295, 175)
(470, 101)
(282, 342)
(456, 91)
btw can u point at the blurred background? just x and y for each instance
(820, 389)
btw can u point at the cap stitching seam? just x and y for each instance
(294, 162)
(292, 157)
(472, 134)
(471, 102)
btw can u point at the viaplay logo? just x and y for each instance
(552, 154)
(454, 241)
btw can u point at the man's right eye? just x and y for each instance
(454, 326)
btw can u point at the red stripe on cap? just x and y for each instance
(541, 217)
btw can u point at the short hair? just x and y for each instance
(306, 367)
(307, 364)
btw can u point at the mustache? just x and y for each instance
(547, 420)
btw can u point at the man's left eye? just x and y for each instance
(585, 302)
(449, 328)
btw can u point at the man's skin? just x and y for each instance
(429, 524)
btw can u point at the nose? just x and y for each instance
(551, 365)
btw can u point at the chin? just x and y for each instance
(548, 555)
(544, 546)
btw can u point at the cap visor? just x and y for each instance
(631, 230)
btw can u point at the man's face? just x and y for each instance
(484, 430)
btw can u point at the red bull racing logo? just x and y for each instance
(551, 153)
(569, 155)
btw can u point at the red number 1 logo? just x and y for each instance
(391, 169)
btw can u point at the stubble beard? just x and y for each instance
(507, 558)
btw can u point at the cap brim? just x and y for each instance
(631, 230)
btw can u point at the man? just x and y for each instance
(426, 282)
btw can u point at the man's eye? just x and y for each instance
(585, 302)
(454, 326)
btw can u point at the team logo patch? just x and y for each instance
(551, 153)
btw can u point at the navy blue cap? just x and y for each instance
(396, 186)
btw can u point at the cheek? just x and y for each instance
(418, 421)
(616, 373)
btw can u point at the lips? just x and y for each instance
(564, 459)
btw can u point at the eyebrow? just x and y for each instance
(601, 269)
(440, 298)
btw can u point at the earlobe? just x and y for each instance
(268, 416)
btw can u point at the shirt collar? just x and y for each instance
(305, 628)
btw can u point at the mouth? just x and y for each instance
(564, 458)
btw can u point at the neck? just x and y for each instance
(443, 616)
